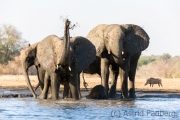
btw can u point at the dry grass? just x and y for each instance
(18, 81)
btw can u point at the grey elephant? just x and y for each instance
(71, 56)
(119, 46)
(28, 58)
(98, 92)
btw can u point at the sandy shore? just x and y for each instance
(18, 81)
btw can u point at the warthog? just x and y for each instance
(98, 92)
(153, 81)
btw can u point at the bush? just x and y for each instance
(167, 67)
(15, 68)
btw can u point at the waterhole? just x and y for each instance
(147, 105)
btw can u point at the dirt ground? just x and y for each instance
(18, 81)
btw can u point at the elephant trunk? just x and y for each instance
(122, 55)
(114, 40)
(118, 52)
(65, 60)
(25, 72)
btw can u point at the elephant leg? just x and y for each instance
(46, 86)
(73, 84)
(41, 76)
(54, 86)
(105, 72)
(49, 95)
(124, 83)
(79, 85)
(36, 87)
(66, 90)
(132, 74)
(112, 91)
(70, 94)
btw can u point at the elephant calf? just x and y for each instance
(98, 92)
(153, 81)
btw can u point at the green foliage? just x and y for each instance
(165, 56)
(10, 43)
(160, 66)
(144, 60)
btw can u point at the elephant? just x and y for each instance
(28, 58)
(71, 56)
(119, 46)
(98, 92)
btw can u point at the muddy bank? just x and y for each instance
(23, 92)
(14, 86)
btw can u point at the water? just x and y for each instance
(145, 106)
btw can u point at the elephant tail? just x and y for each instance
(84, 82)
(36, 87)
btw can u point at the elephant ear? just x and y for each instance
(96, 36)
(135, 40)
(28, 51)
(84, 53)
(46, 52)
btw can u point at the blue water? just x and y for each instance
(141, 108)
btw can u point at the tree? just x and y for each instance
(10, 43)
(144, 60)
(165, 56)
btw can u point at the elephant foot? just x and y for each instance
(35, 96)
(112, 95)
(124, 95)
(112, 92)
(132, 96)
(42, 96)
(49, 96)
(65, 96)
(132, 93)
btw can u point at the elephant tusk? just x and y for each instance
(69, 68)
(57, 67)
(108, 52)
(122, 52)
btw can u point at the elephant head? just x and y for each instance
(54, 52)
(28, 58)
(122, 41)
(98, 92)
(135, 40)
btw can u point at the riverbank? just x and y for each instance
(18, 81)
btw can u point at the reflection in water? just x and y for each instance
(140, 108)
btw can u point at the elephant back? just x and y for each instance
(82, 52)
(28, 55)
(49, 52)
(27, 50)
(96, 36)
(136, 39)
